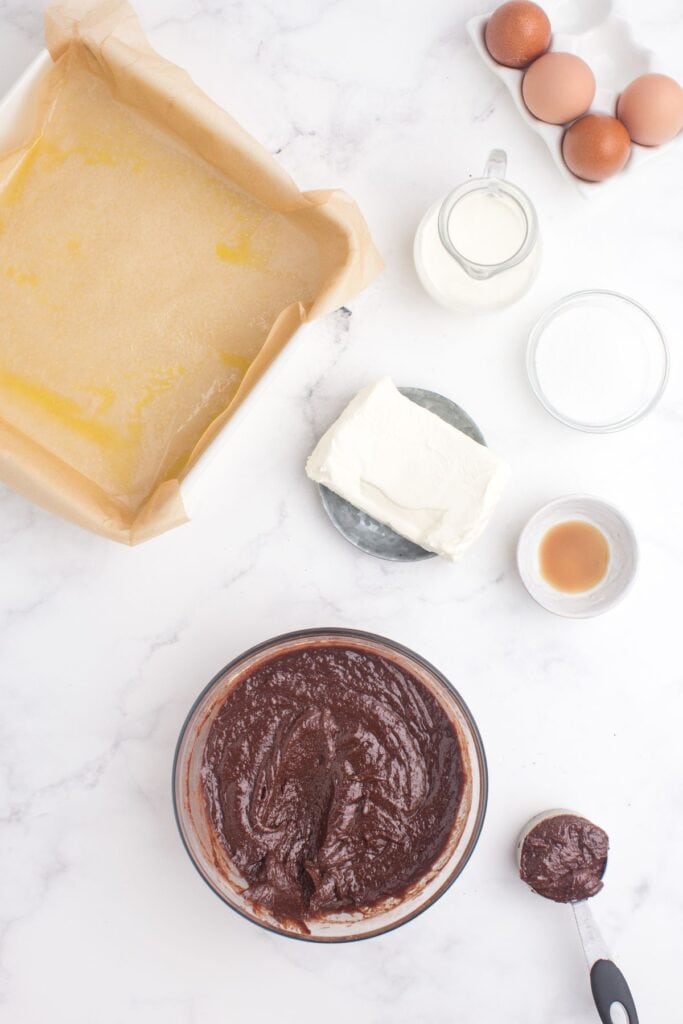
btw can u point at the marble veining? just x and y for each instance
(104, 648)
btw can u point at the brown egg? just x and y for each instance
(517, 33)
(595, 147)
(651, 107)
(558, 87)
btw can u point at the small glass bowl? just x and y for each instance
(621, 568)
(197, 832)
(651, 372)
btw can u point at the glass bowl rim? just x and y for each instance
(444, 683)
(536, 334)
(489, 184)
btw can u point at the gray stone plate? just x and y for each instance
(362, 530)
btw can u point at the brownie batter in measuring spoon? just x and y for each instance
(563, 857)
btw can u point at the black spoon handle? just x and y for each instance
(609, 986)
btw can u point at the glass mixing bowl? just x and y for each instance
(208, 855)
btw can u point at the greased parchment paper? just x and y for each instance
(154, 261)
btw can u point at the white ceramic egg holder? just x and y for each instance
(592, 31)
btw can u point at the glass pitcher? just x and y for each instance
(479, 248)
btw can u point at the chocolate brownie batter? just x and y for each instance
(564, 857)
(333, 779)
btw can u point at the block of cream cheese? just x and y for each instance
(410, 470)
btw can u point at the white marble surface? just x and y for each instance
(104, 648)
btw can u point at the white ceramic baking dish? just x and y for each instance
(16, 110)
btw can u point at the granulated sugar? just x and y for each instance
(599, 361)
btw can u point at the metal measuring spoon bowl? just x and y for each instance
(563, 856)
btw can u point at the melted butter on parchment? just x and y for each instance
(137, 286)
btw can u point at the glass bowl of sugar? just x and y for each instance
(597, 361)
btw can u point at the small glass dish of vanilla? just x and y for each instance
(577, 556)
